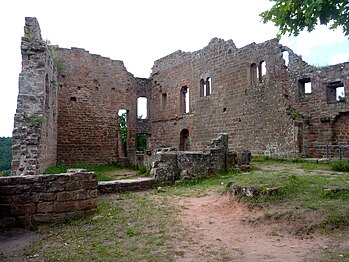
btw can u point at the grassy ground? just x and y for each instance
(145, 226)
(128, 227)
(103, 171)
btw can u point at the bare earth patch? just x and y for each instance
(218, 223)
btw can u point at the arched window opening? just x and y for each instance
(208, 86)
(142, 108)
(185, 102)
(262, 71)
(253, 73)
(286, 57)
(202, 88)
(184, 144)
(123, 132)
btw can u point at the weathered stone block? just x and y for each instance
(87, 204)
(44, 207)
(24, 209)
(72, 195)
(72, 185)
(26, 197)
(7, 190)
(47, 196)
(23, 220)
(65, 206)
(89, 184)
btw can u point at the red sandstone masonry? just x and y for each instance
(26, 200)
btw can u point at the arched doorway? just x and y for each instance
(184, 143)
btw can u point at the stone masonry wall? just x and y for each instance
(255, 96)
(253, 113)
(264, 112)
(169, 165)
(319, 117)
(26, 200)
(92, 89)
(35, 121)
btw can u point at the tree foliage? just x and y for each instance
(293, 16)
(5, 153)
(123, 129)
(142, 141)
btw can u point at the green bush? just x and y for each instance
(340, 166)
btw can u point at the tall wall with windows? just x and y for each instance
(263, 95)
(76, 107)
(93, 90)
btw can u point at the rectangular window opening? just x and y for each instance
(305, 87)
(163, 100)
(335, 92)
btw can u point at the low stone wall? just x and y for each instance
(169, 166)
(26, 200)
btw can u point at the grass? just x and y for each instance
(102, 171)
(304, 190)
(146, 227)
(128, 227)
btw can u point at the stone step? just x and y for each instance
(134, 184)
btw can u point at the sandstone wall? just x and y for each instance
(319, 117)
(169, 165)
(251, 110)
(92, 89)
(27, 200)
(267, 113)
(35, 121)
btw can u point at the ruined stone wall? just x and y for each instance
(92, 89)
(35, 121)
(27, 200)
(320, 117)
(251, 109)
(170, 165)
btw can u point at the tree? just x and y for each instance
(5, 154)
(122, 121)
(293, 16)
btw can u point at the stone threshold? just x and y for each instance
(134, 184)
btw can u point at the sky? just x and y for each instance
(138, 32)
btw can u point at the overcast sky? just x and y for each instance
(140, 31)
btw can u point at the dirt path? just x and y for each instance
(14, 240)
(219, 231)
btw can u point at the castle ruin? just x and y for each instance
(69, 101)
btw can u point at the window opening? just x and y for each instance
(304, 86)
(253, 73)
(163, 100)
(73, 99)
(208, 86)
(202, 88)
(185, 100)
(184, 144)
(262, 70)
(286, 57)
(142, 108)
(123, 132)
(142, 142)
(335, 92)
(47, 92)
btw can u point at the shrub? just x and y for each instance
(340, 166)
